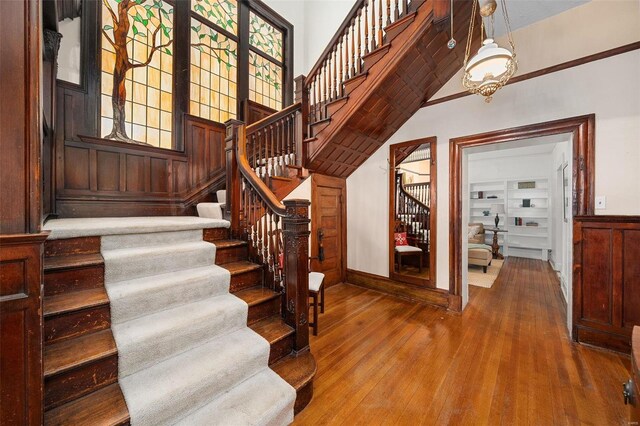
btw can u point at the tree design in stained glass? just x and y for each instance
(265, 79)
(265, 37)
(223, 13)
(214, 71)
(137, 71)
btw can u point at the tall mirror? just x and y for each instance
(412, 216)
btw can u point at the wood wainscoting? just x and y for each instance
(606, 280)
(414, 293)
(98, 177)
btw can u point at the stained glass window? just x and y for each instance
(137, 72)
(223, 13)
(265, 63)
(265, 81)
(265, 37)
(214, 59)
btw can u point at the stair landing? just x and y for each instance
(91, 227)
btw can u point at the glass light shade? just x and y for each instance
(489, 69)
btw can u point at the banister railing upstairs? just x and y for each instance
(413, 213)
(362, 32)
(421, 191)
(277, 232)
(274, 144)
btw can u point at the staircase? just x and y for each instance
(385, 61)
(178, 319)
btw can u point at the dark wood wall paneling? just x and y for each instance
(21, 239)
(606, 280)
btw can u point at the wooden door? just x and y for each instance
(328, 215)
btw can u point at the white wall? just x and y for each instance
(69, 54)
(610, 88)
(584, 30)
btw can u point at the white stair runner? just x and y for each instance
(185, 353)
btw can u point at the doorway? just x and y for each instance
(581, 131)
(328, 228)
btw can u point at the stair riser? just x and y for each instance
(155, 263)
(281, 348)
(263, 310)
(77, 323)
(215, 234)
(72, 246)
(80, 381)
(352, 84)
(114, 242)
(245, 280)
(303, 397)
(317, 128)
(231, 254)
(62, 281)
(374, 57)
(334, 107)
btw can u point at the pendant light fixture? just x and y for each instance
(492, 67)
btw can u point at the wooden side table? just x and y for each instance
(495, 248)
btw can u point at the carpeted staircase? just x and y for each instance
(185, 353)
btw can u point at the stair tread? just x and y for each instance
(272, 329)
(75, 300)
(264, 396)
(296, 369)
(323, 121)
(105, 406)
(65, 355)
(74, 261)
(256, 295)
(230, 243)
(281, 178)
(240, 267)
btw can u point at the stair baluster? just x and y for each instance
(280, 231)
(366, 27)
(380, 22)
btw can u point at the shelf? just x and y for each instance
(528, 235)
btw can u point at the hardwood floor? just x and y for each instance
(506, 360)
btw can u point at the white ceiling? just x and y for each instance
(525, 12)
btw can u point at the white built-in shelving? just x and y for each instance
(520, 240)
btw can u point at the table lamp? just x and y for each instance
(497, 209)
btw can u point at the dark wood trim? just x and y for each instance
(431, 282)
(583, 166)
(333, 182)
(548, 70)
(421, 294)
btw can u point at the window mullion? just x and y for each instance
(243, 54)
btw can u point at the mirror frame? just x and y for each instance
(431, 281)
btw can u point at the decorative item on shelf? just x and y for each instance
(518, 221)
(485, 212)
(492, 197)
(527, 185)
(492, 67)
(497, 209)
(531, 224)
(480, 195)
(526, 202)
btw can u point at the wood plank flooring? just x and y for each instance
(507, 360)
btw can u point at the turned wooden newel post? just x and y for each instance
(302, 120)
(235, 130)
(296, 249)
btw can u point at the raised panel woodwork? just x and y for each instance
(135, 173)
(631, 278)
(606, 279)
(76, 175)
(108, 171)
(597, 289)
(159, 175)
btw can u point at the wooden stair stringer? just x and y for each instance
(417, 64)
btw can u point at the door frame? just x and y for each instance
(583, 179)
(318, 180)
(433, 225)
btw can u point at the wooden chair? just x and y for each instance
(316, 288)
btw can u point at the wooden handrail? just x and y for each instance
(243, 167)
(273, 118)
(332, 43)
(411, 197)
